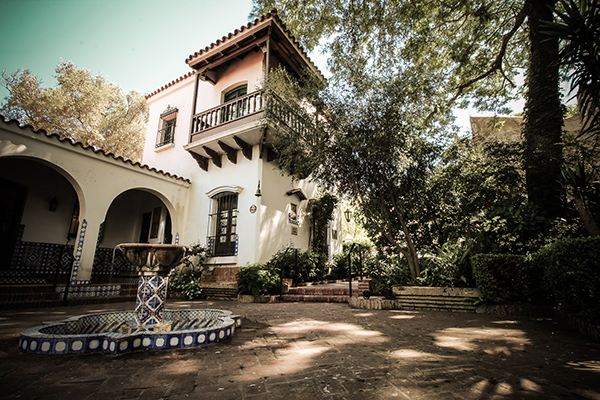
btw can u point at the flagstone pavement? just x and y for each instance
(317, 351)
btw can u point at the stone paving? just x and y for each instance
(318, 351)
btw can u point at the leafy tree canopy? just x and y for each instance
(449, 47)
(83, 107)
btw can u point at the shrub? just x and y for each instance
(447, 267)
(300, 266)
(258, 279)
(506, 279)
(187, 284)
(186, 277)
(385, 275)
(572, 275)
(513, 226)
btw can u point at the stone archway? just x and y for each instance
(40, 210)
(134, 216)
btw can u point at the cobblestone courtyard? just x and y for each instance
(318, 351)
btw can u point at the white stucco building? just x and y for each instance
(208, 175)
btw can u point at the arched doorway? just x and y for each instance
(39, 220)
(135, 216)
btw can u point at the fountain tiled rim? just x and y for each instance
(195, 327)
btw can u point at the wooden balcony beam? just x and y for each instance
(229, 151)
(214, 156)
(246, 148)
(202, 161)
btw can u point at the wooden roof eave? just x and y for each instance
(218, 51)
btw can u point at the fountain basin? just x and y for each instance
(101, 333)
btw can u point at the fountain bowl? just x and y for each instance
(151, 326)
(101, 333)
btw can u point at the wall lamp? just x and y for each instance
(258, 192)
(348, 215)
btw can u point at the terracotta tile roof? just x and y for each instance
(55, 136)
(272, 15)
(168, 85)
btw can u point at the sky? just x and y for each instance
(139, 45)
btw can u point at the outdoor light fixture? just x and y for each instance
(258, 193)
(53, 204)
(348, 215)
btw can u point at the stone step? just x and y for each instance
(323, 298)
(224, 293)
(319, 291)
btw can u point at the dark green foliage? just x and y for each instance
(513, 226)
(572, 275)
(383, 272)
(386, 275)
(186, 278)
(506, 278)
(577, 26)
(321, 212)
(258, 279)
(448, 266)
(300, 266)
(187, 284)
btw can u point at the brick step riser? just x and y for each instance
(439, 308)
(431, 301)
(315, 298)
(320, 292)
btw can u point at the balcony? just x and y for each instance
(238, 125)
(234, 111)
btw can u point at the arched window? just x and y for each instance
(223, 224)
(236, 92)
(235, 103)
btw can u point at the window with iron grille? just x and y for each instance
(166, 132)
(222, 234)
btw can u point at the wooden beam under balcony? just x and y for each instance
(246, 148)
(229, 151)
(202, 161)
(214, 156)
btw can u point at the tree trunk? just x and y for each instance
(411, 252)
(543, 115)
(586, 217)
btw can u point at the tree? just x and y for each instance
(83, 107)
(363, 146)
(460, 51)
(578, 27)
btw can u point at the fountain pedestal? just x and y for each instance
(153, 263)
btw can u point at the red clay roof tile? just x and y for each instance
(91, 148)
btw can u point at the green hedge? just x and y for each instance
(506, 279)
(572, 275)
(258, 279)
(300, 266)
(564, 274)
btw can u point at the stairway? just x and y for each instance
(330, 293)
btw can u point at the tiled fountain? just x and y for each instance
(150, 326)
